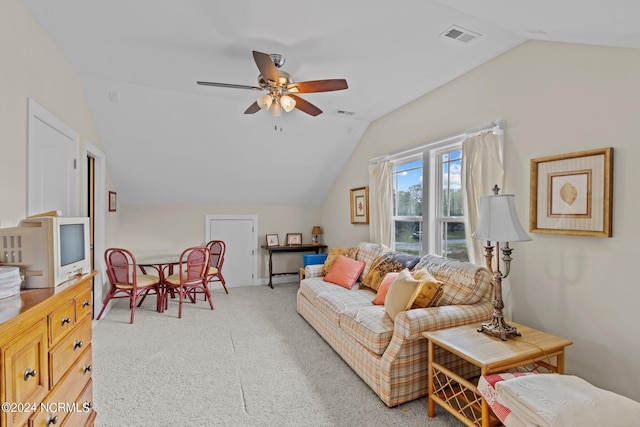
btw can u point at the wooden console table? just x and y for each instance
(288, 248)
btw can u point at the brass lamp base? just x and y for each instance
(499, 328)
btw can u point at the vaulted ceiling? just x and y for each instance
(169, 140)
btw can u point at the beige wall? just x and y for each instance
(32, 67)
(162, 229)
(556, 98)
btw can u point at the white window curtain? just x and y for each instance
(482, 168)
(381, 203)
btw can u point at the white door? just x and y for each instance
(53, 171)
(238, 234)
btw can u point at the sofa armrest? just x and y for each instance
(313, 270)
(409, 324)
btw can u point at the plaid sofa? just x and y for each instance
(391, 357)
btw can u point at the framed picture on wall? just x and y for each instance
(359, 205)
(572, 193)
(113, 200)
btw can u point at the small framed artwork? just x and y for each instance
(572, 193)
(272, 240)
(294, 239)
(113, 200)
(359, 205)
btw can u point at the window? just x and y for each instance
(436, 226)
(407, 205)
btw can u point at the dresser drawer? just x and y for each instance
(26, 372)
(85, 413)
(84, 307)
(62, 402)
(67, 351)
(61, 321)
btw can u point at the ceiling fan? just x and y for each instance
(281, 87)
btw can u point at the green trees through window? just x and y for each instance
(420, 228)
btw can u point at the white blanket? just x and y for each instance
(551, 400)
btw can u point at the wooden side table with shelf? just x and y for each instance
(533, 351)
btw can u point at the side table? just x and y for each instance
(533, 351)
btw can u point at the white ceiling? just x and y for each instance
(168, 140)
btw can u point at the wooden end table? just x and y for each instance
(533, 351)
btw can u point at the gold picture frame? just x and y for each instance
(572, 193)
(359, 205)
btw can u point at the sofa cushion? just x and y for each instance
(384, 288)
(402, 293)
(463, 282)
(339, 300)
(367, 252)
(333, 254)
(344, 271)
(431, 291)
(388, 262)
(370, 326)
(312, 287)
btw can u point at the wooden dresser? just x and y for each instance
(45, 356)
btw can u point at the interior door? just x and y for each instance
(53, 171)
(238, 233)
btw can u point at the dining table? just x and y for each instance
(164, 266)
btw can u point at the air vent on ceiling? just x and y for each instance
(460, 34)
(345, 113)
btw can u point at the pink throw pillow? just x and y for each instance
(384, 287)
(344, 271)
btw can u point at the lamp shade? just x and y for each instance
(316, 230)
(498, 221)
(265, 101)
(287, 102)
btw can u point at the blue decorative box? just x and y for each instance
(312, 259)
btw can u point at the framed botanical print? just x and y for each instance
(572, 193)
(359, 205)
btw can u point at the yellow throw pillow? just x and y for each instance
(333, 254)
(402, 293)
(431, 291)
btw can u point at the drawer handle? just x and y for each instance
(29, 373)
(51, 419)
(87, 368)
(65, 320)
(86, 304)
(76, 345)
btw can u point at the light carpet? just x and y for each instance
(253, 361)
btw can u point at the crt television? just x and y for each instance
(50, 250)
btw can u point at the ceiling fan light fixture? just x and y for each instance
(276, 109)
(265, 101)
(287, 102)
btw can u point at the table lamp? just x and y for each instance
(498, 222)
(315, 231)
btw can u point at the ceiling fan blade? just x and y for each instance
(265, 65)
(318, 86)
(306, 106)
(253, 108)
(229, 85)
